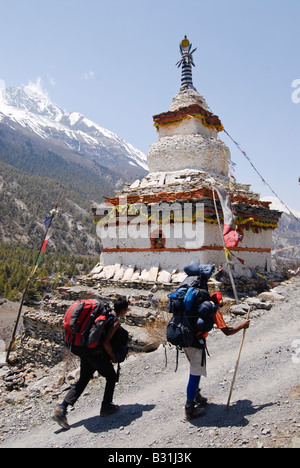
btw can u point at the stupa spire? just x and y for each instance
(186, 62)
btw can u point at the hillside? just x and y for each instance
(286, 239)
(50, 156)
(26, 199)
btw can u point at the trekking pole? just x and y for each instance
(237, 362)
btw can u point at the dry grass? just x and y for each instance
(226, 307)
(156, 329)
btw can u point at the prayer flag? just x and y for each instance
(47, 224)
(230, 234)
(47, 221)
(44, 245)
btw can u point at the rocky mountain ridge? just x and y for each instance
(30, 111)
(286, 238)
(50, 156)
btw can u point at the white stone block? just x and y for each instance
(178, 277)
(153, 273)
(164, 277)
(110, 270)
(135, 184)
(145, 275)
(119, 274)
(128, 274)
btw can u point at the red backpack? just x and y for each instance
(84, 323)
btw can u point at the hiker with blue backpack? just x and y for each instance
(194, 313)
(93, 333)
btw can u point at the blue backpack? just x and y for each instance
(184, 305)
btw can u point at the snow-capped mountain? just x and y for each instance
(276, 204)
(30, 111)
(50, 156)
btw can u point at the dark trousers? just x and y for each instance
(88, 366)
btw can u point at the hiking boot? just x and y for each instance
(60, 416)
(199, 399)
(108, 409)
(192, 412)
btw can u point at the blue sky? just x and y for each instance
(115, 63)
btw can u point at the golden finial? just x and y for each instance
(185, 42)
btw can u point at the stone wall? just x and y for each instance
(42, 337)
(41, 340)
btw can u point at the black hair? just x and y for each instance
(121, 303)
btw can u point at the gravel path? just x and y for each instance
(264, 410)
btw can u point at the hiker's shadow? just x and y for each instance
(217, 415)
(122, 418)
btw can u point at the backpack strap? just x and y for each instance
(203, 346)
(166, 357)
(118, 372)
(177, 358)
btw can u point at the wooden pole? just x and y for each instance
(13, 338)
(237, 362)
(17, 321)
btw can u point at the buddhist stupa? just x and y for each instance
(168, 218)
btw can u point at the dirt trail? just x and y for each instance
(264, 409)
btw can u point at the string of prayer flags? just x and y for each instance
(259, 174)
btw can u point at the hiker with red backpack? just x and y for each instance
(94, 333)
(195, 313)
